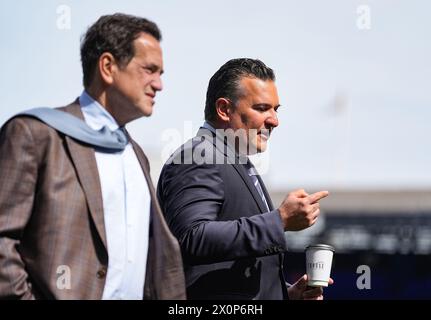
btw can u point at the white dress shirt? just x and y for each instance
(126, 207)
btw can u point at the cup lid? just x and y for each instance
(320, 246)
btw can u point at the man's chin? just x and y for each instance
(146, 111)
(261, 149)
(258, 148)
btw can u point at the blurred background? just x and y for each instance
(354, 80)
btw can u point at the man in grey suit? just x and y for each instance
(78, 221)
(231, 236)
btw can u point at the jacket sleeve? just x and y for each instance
(18, 177)
(191, 197)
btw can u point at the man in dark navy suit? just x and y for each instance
(232, 238)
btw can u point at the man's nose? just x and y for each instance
(272, 120)
(157, 83)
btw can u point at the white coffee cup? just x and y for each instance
(318, 259)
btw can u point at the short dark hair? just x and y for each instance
(114, 34)
(225, 82)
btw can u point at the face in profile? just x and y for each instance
(134, 86)
(255, 112)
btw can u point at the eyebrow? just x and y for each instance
(152, 66)
(266, 105)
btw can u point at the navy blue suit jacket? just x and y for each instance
(232, 247)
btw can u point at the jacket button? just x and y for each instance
(101, 273)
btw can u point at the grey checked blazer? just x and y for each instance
(51, 215)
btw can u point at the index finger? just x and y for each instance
(317, 196)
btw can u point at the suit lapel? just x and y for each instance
(143, 162)
(247, 180)
(149, 287)
(84, 160)
(221, 147)
(164, 278)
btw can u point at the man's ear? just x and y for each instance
(107, 67)
(223, 109)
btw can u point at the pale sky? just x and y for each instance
(355, 100)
